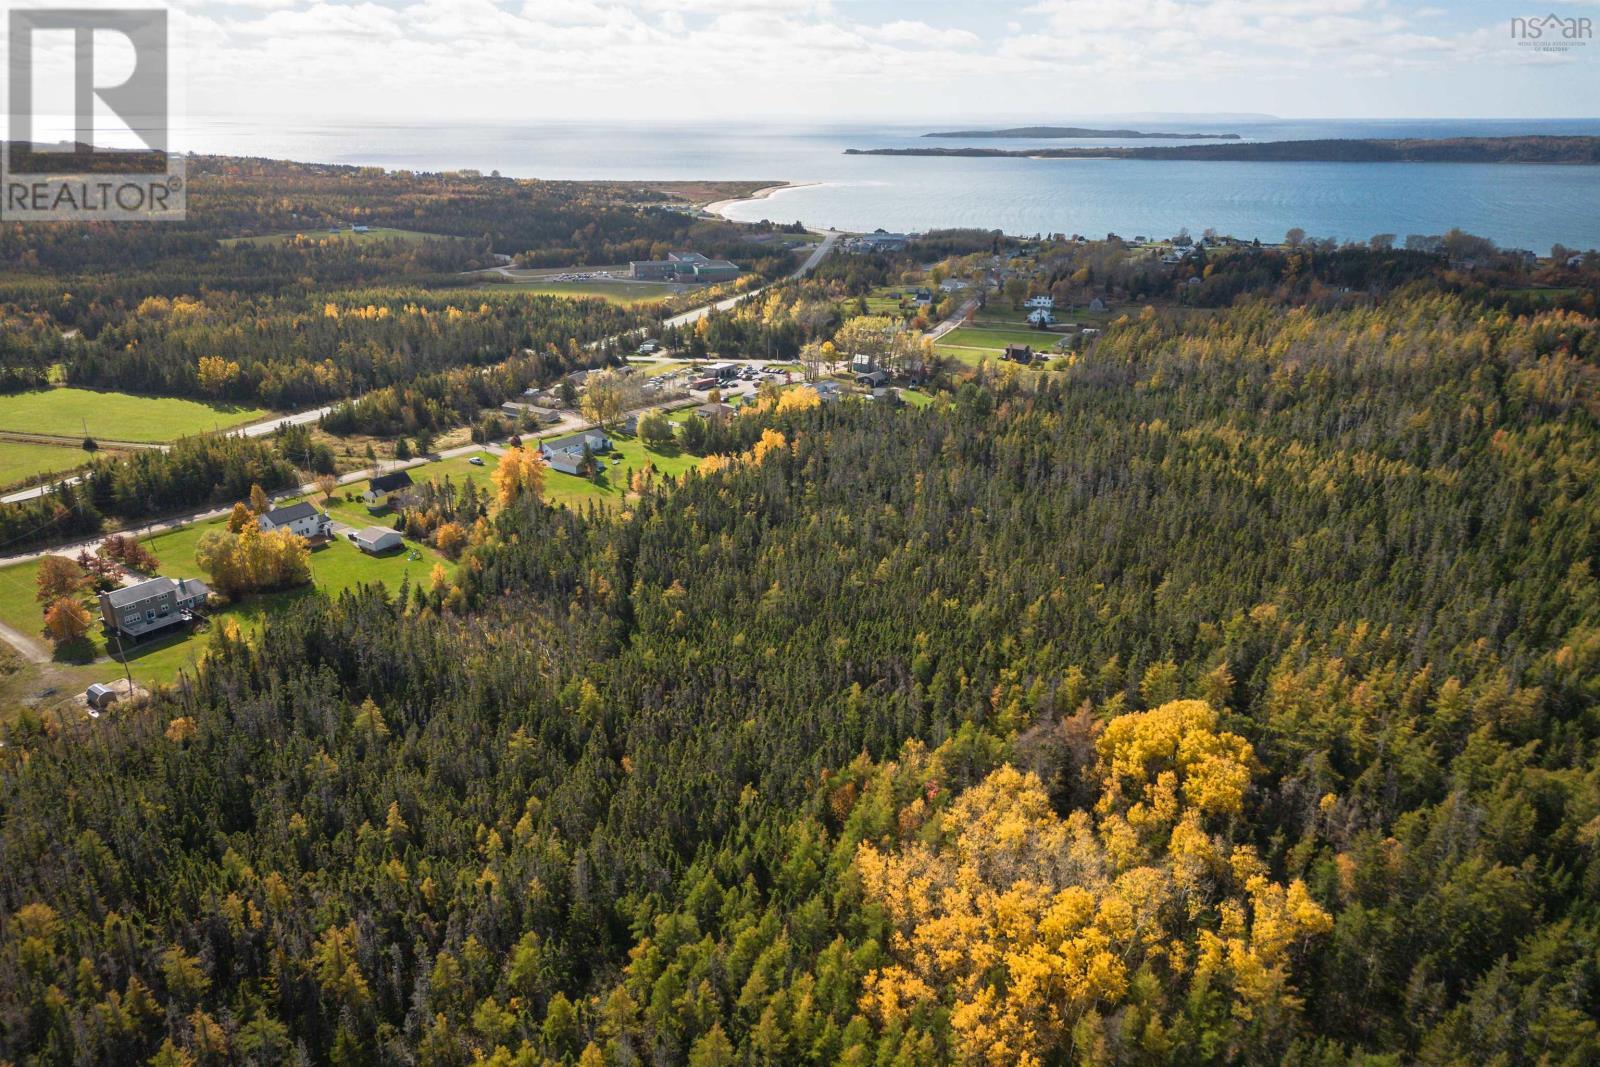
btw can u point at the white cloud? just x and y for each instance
(908, 32)
(583, 58)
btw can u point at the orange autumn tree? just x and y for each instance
(66, 620)
(520, 473)
(1025, 928)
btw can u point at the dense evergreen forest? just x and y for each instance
(1229, 696)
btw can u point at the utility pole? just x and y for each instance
(117, 633)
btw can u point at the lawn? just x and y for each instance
(459, 468)
(972, 357)
(17, 607)
(67, 412)
(377, 233)
(609, 487)
(22, 460)
(997, 339)
(666, 366)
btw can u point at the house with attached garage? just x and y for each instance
(301, 518)
(137, 611)
(568, 454)
(382, 490)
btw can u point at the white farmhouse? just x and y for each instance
(301, 518)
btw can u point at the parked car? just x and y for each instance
(476, 461)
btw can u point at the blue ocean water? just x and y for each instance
(1524, 206)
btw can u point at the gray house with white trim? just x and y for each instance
(137, 611)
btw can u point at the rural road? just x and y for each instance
(188, 518)
(954, 321)
(31, 650)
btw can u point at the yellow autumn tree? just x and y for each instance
(1026, 928)
(216, 374)
(450, 538)
(520, 474)
(798, 400)
(771, 441)
(250, 560)
(714, 463)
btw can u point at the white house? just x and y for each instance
(301, 518)
(377, 539)
(1041, 317)
(1045, 302)
(567, 454)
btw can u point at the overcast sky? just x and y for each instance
(870, 60)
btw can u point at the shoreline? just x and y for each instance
(719, 208)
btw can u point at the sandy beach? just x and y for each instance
(720, 207)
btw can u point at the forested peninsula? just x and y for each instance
(1068, 132)
(1584, 150)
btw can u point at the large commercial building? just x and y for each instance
(683, 267)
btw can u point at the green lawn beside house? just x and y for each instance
(628, 454)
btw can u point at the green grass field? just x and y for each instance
(377, 233)
(651, 370)
(117, 416)
(17, 607)
(996, 339)
(22, 460)
(626, 294)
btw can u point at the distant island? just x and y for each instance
(1580, 150)
(1068, 132)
